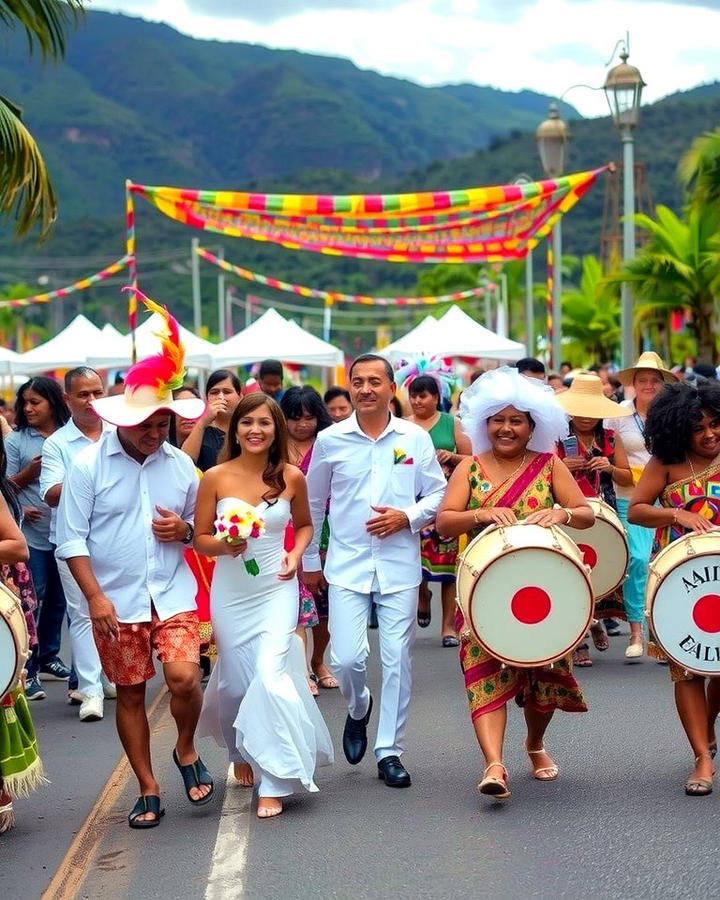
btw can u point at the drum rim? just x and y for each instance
(650, 606)
(20, 648)
(550, 660)
(622, 532)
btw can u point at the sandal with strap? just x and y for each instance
(581, 657)
(149, 803)
(699, 787)
(599, 638)
(552, 771)
(194, 775)
(492, 786)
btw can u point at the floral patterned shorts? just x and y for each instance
(129, 659)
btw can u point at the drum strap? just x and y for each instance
(639, 422)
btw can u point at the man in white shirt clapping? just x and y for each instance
(384, 484)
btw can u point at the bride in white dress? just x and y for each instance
(257, 702)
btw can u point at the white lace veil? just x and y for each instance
(505, 386)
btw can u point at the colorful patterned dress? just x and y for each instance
(697, 494)
(21, 769)
(612, 606)
(438, 553)
(490, 684)
(307, 608)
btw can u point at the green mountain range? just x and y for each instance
(139, 100)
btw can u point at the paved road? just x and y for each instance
(616, 823)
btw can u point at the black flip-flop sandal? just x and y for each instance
(194, 775)
(150, 803)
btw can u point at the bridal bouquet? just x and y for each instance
(240, 522)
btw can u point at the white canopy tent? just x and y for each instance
(68, 349)
(419, 336)
(454, 334)
(273, 337)
(116, 350)
(9, 361)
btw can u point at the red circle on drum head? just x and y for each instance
(706, 613)
(589, 553)
(531, 604)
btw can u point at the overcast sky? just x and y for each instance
(546, 45)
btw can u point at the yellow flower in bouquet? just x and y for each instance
(240, 522)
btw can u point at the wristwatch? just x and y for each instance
(190, 534)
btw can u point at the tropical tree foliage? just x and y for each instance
(591, 315)
(699, 169)
(25, 186)
(679, 268)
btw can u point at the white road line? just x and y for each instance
(227, 870)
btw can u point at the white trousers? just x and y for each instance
(349, 651)
(86, 661)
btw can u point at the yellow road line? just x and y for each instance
(76, 863)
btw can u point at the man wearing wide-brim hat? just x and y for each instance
(647, 377)
(124, 518)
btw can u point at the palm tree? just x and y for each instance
(699, 169)
(591, 314)
(679, 268)
(25, 186)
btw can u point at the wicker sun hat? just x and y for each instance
(647, 360)
(585, 398)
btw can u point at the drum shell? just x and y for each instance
(693, 552)
(607, 574)
(497, 542)
(14, 642)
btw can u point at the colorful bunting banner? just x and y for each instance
(81, 285)
(483, 224)
(331, 297)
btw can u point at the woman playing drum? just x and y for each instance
(596, 457)
(513, 424)
(683, 434)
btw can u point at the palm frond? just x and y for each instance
(44, 22)
(25, 188)
(699, 169)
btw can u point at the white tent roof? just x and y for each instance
(116, 350)
(419, 336)
(456, 334)
(273, 337)
(9, 360)
(68, 349)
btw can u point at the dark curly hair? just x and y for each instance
(674, 413)
(277, 457)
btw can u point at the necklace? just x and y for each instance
(695, 475)
(514, 472)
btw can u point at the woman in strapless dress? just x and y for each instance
(257, 702)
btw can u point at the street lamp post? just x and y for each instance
(552, 137)
(623, 89)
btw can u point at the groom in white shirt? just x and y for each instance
(384, 485)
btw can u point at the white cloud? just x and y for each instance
(546, 45)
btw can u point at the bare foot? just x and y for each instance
(544, 767)
(269, 807)
(243, 774)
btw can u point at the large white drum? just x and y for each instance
(14, 647)
(525, 593)
(682, 601)
(604, 548)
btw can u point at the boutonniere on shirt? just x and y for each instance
(400, 458)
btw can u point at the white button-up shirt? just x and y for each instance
(356, 473)
(106, 510)
(59, 450)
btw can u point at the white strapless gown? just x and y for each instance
(257, 702)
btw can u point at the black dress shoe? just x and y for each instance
(355, 737)
(393, 772)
